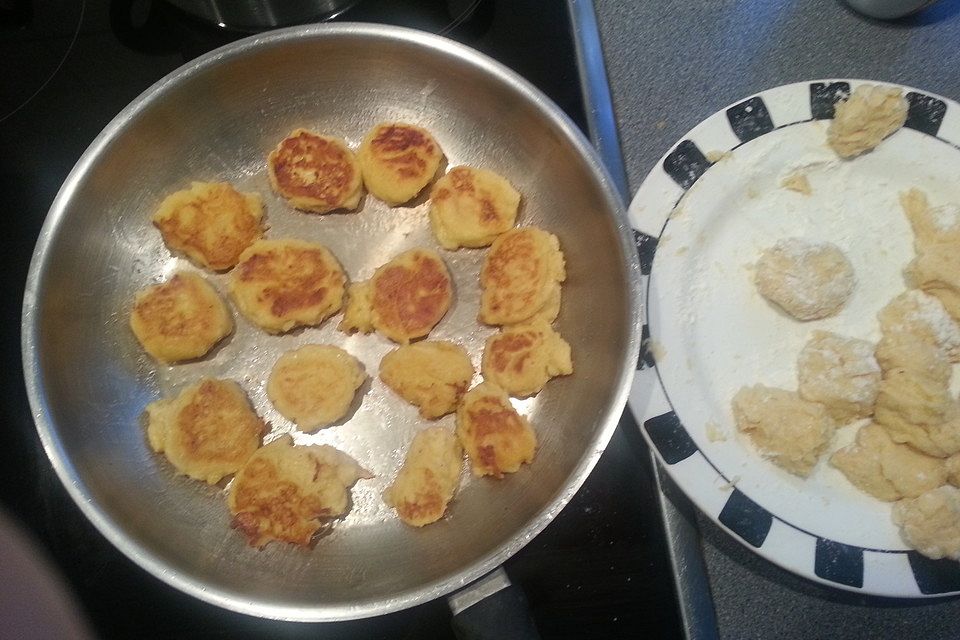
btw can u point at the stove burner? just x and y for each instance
(20, 23)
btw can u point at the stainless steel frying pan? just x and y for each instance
(216, 119)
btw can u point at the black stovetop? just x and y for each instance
(599, 570)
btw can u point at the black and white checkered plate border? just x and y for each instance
(884, 572)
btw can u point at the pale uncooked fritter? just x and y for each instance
(936, 270)
(930, 523)
(920, 411)
(863, 120)
(931, 225)
(211, 223)
(497, 439)
(470, 207)
(911, 352)
(428, 478)
(520, 277)
(208, 431)
(405, 298)
(785, 428)
(521, 359)
(285, 493)
(398, 160)
(314, 386)
(315, 172)
(887, 470)
(924, 316)
(180, 319)
(840, 373)
(432, 375)
(809, 280)
(283, 284)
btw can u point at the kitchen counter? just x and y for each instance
(670, 64)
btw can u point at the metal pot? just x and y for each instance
(217, 118)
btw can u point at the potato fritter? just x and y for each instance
(496, 438)
(398, 160)
(283, 284)
(208, 431)
(315, 172)
(519, 276)
(470, 207)
(180, 319)
(211, 223)
(314, 385)
(432, 375)
(428, 478)
(284, 492)
(404, 299)
(522, 358)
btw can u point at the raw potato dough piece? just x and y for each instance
(931, 225)
(211, 223)
(314, 386)
(809, 280)
(924, 316)
(910, 352)
(470, 207)
(863, 120)
(428, 478)
(405, 298)
(283, 284)
(918, 410)
(432, 375)
(931, 523)
(887, 470)
(840, 373)
(521, 276)
(398, 160)
(180, 319)
(936, 270)
(953, 469)
(315, 173)
(790, 431)
(521, 359)
(208, 431)
(496, 438)
(283, 492)
(797, 181)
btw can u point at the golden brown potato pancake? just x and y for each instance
(283, 284)
(520, 275)
(470, 207)
(432, 375)
(428, 478)
(496, 438)
(315, 172)
(522, 358)
(211, 223)
(404, 299)
(208, 431)
(314, 385)
(285, 493)
(180, 319)
(398, 160)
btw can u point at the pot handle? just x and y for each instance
(491, 609)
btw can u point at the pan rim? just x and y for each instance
(156, 565)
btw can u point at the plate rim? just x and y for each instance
(643, 406)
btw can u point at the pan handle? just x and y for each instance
(492, 609)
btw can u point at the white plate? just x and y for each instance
(701, 219)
